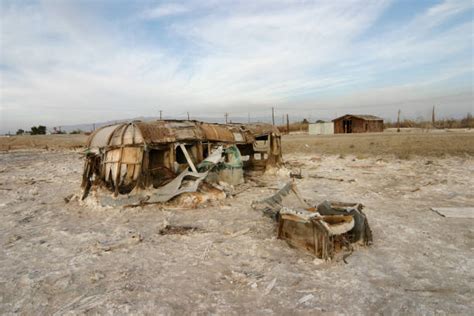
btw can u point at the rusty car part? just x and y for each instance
(324, 230)
(155, 160)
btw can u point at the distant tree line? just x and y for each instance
(35, 130)
(41, 130)
(38, 130)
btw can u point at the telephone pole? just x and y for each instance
(188, 115)
(249, 116)
(273, 116)
(433, 120)
(161, 114)
(287, 124)
(398, 122)
(226, 116)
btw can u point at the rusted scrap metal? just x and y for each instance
(324, 230)
(287, 196)
(158, 160)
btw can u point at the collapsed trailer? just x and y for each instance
(157, 160)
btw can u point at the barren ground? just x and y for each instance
(59, 257)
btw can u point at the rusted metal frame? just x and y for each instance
(119, 164)
(108, 147)
(209, 148)
(128, 163)
(122, 146)
(172, 156)
(104, 155)
(112, 134)
(144, 179)
(200, 151)
(134, 164)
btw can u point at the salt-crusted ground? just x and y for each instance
(59, 257)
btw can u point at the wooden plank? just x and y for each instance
(188, 158)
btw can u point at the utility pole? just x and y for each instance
(249, 117)
(398, 122)
(93, 126)
(273, 116)
(433, 120)
(226, 116)
(287, 124)
(161, 114)
(188, 115)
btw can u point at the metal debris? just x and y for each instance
(322, 231)
(153, 162)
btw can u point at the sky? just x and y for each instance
(68, 61)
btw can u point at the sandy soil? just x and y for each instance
(406, 145)
(409, 143)
(63, 141)
(59, 257)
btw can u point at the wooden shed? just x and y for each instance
(352, 123)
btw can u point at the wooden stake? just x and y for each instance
(398, 122)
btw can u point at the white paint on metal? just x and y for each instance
(324, 128)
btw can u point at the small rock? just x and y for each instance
(318, 261)
(96, 276)
(305, 298)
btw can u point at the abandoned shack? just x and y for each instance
(168, 155)
(351, 123)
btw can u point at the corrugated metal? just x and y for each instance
(162, 132)
(325, 128)
(101, 137)
(216, 132)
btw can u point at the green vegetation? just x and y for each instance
(38, 130)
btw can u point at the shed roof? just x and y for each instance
(169, 131)
(365, 117)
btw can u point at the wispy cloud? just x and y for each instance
(164, 10)
(63, 62)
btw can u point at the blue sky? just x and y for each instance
(67, 62)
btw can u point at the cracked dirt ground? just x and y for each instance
(59, 258)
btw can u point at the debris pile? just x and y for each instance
(153, 162)
(324, 230)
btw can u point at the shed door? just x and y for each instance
(347, 125)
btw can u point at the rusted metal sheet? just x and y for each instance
(216, 132)
(319, 235)
(160, 132)
(156, 133)
(323, 231)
